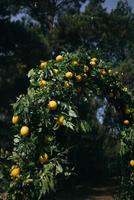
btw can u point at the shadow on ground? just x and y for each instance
(99, 190)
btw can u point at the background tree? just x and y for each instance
(99, 29)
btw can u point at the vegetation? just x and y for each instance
(50, 116)
(53, 110)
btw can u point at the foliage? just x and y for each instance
(41, 151)
(126, 68)
(47, 27)
(127, 173)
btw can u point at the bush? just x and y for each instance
(60, 105)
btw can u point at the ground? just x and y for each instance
(88, 191)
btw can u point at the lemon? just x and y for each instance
(43, 158)
(66, 84)
(110, 71)
(93, 63)
(86, 68)
(24, 131)
(103, 72)
(126, 122)
(15, 119)
(42, 83)
(132, 163)
(59, 58)
(60, 120)
(15, 171)
(69, 75)
(52, 105)
(75, 62)
(43, 65)
(78, 78)
(94, 59)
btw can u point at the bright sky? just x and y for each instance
(110, 4)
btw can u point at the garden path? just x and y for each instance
(101, 191)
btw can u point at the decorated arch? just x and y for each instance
(57, 108)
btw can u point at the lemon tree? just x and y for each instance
(54, 110)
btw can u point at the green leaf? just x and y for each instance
(59, 169)
(72, 113)
(31, 73)
(85, 126)
(69, 125)
(51, 183)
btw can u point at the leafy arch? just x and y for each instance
(55, 108)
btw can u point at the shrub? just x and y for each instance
(50, 118)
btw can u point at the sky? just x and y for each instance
(110, 4)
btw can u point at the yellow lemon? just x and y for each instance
(69, 75)
(103, 72)
(15, 171)
(75, 62)
(43, 65)
(15, 119)
(94, 59)
(60, 120)
(43, 158)
(86, 68)
(92, 63)
(52, 105)
(42, 83)
(132, 163)
(126, 122)
(110, 71)
(66, 84)
(59, 58)
(78, 78)
(24, 131)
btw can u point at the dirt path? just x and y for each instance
(89, 192)
(70, 195)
